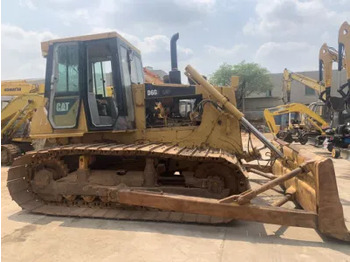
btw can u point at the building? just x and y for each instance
(255, 104)
(158, 72)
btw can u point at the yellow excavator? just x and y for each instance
(13, 88)
(289, 76)
(334, 109)
(21, 87)
(327, 56)
(335, 105)
(20, 98)
(311, 120)
(295, 122)
(340, 139)
(134, 156)
(344, 61)
(299, 123)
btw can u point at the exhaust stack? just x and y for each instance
(174, 74)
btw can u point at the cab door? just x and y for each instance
(64, 85)
(101, 83)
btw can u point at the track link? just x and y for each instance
(20, 175)
(8, 153)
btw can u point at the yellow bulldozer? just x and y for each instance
(137, 155)
(19, 100)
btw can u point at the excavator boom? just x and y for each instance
(21, 87)
(344, 59)
(327, 56)
(311, 124)
(289, 76)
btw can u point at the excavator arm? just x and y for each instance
(16, 113)
(309, 116)
(270, 121)
(289, 76)
(287, 84)
(344, 58)
(20, 87)
(327, 56)
(15, 119)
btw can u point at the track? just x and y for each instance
(8, 153)
(21, 174)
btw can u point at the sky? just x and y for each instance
(277, 34)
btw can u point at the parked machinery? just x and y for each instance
(14, 88)
(332, 105)
(298, 124)
(327, 55)
(329, 107)
(340, 137)
(335, 105)
(324, 108)
(151, 77)
(289, 76)
(20, 98)
(344, 61)
(120, 158)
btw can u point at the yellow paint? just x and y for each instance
(308, 116)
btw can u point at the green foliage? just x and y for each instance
(222, 76)
(252, 78)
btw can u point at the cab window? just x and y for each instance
(126, 81)
(101, 96)
(68, 73)
(102, 78)
(136, 70)
(65, 98)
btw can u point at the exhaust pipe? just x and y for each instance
(174, 74)
(173, 51)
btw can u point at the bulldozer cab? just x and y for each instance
(95, 71)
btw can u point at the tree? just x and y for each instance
(252, 78)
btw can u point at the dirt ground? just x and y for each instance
(28, 237)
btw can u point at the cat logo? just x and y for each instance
(62, 107)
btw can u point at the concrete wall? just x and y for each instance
(256, 103)
(254, 107)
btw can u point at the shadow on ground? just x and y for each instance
(235, 231)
